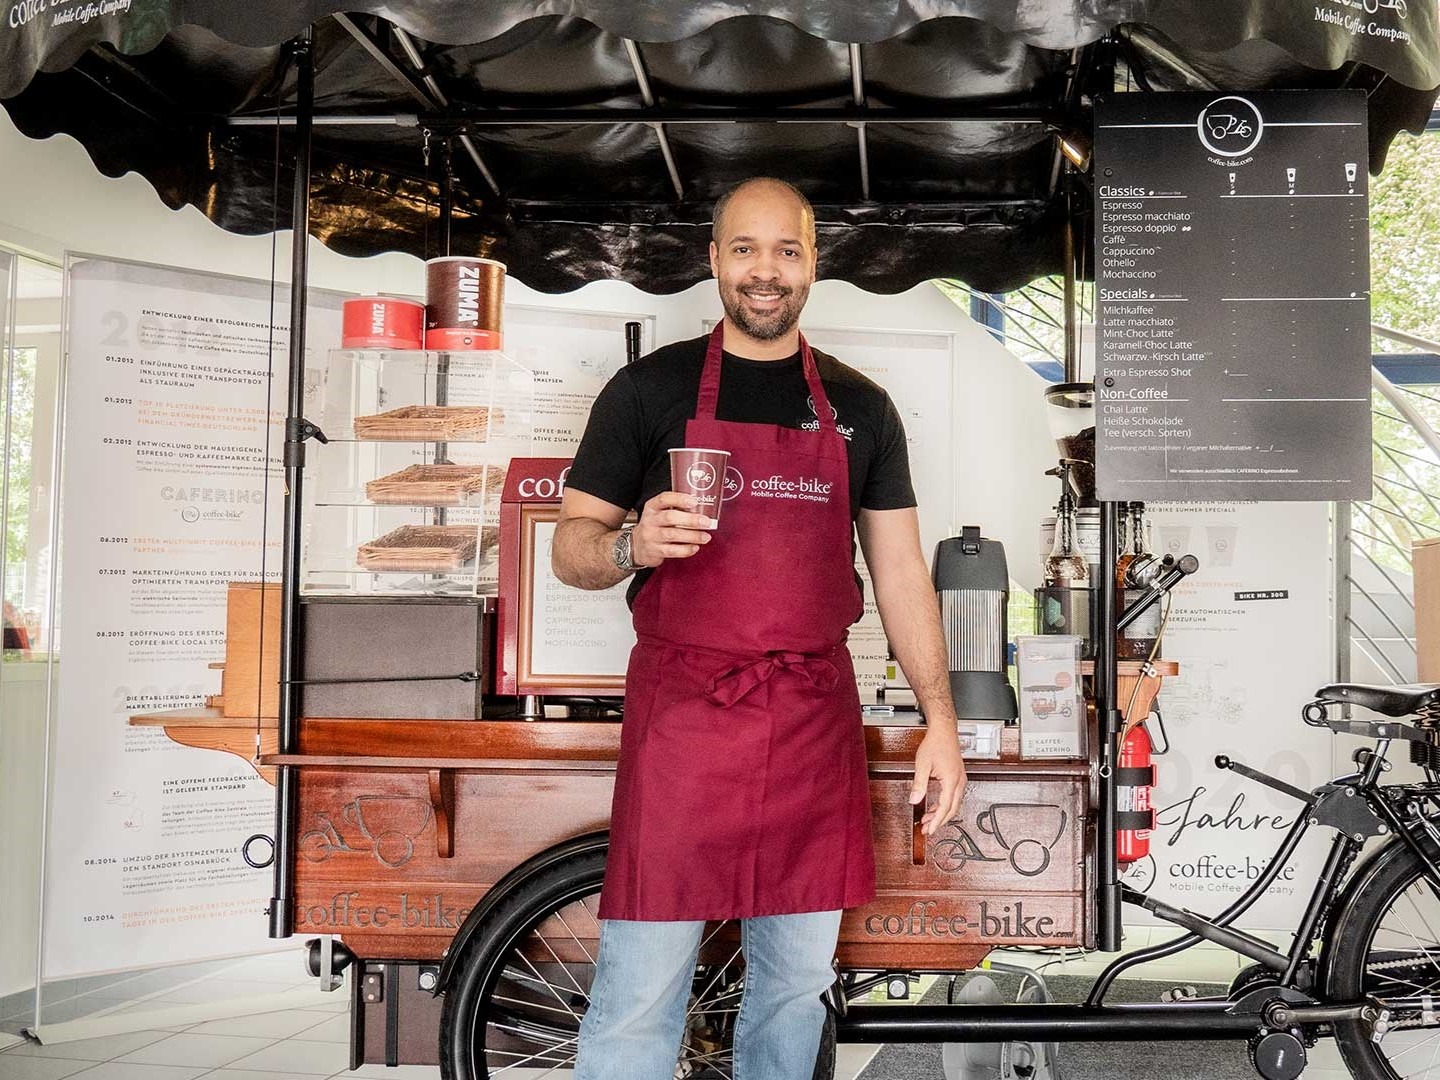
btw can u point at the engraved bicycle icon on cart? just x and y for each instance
(1026, 833)
(390, 825)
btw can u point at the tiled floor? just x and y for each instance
(311, 1042)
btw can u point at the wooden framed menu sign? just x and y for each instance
(1232, 297)
(554, 639)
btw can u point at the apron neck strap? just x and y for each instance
(710, 380)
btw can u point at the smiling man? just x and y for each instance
(742, 788)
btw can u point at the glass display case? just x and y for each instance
(404, 497)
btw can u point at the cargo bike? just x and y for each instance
(452, 866)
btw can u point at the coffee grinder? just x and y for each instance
(1065, 603)
(1070, 411)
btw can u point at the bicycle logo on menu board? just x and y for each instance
(1230, 127)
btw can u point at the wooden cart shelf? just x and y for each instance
(211, 729)
(1133, 669)
(422, 764)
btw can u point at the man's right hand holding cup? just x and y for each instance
(669, 529)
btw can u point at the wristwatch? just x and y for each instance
(621, 553)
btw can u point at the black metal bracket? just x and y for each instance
(1160, 722)
(298, 431)
(1235, 940)
(1376, 729)
(1223, 762)
(1339, 808)
(1177, 572)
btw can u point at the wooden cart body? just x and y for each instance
(405, 825)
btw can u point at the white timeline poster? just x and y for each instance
(573, 355)
(916, 370)
(165, 502)
(1252, 634)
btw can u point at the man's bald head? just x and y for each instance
(763, 186)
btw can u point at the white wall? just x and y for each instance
(52, 200)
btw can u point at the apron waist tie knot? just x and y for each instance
(736, 681)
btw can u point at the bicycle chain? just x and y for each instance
(1386, 965)
(1410, 1017)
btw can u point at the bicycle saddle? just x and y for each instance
(1390, 700)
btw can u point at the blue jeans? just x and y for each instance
(636, 1019)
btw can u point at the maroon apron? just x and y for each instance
(742, 787)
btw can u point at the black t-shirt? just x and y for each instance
(641, 413)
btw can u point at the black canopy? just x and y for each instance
(589, 137)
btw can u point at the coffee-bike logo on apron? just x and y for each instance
(803, 488)
(734, 483)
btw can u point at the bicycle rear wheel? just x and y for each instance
(1388, 945)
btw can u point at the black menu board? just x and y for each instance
(1232, 312)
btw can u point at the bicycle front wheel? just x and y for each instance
(1388, 945)
(523, 984)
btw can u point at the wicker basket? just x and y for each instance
(428, 549)
(427, 423)
(436, 485)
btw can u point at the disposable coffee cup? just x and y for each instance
(701, 473)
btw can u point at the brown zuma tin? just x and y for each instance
(464, 298)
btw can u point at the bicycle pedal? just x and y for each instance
(1180, 993)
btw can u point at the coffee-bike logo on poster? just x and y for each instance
(544, 487)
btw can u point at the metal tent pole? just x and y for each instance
(282, 903)
(447, 224)
(1109, 723)
(1072, 329)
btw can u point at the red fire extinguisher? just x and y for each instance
(1134, 780)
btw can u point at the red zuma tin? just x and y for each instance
(382, 322)
(464, 296)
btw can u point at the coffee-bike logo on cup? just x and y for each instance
(1230, 127)
(734, 483)
(701, 476)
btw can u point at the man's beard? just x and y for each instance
(764, 326)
